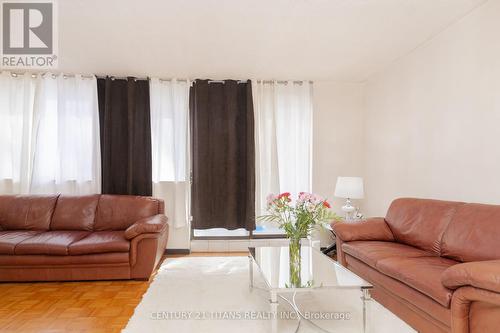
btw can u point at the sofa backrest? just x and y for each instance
(118, 212)
(89, 212)
(75, 212)
(421, 222)
(473, 234)
(26, 212)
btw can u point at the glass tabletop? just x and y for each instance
(316, 269)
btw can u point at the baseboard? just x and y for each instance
(177, 251)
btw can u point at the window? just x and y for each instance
(283, 130)
(49, 134)
(283, 136)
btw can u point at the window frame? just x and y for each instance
(251, 235)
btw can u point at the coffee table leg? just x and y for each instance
(250, 270)
(366, 298)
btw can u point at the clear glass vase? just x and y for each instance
(294, 253)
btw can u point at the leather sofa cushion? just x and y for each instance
(9, 239)
(422, 274)
(420, 222)
(23, 212)
(57, 261)
(50, 243)
(370, 252)
(118, 212)
(400, 291)
(101, 242)
(75, 213)
(473, 234)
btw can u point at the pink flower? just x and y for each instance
(316, 199)
(271, 199)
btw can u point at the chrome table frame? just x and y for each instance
(275, 294)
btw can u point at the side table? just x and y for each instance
(332, 247)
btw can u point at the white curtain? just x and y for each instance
(66, 127)
(283, 135)
(170, 146)
(16, 111)
(58, 148)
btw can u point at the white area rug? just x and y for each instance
(211, 294)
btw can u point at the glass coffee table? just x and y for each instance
(318, 273)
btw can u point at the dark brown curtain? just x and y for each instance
(223, 161)
(124, 116)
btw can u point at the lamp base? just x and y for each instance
(348, 209)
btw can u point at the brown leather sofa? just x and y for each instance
(435, 264)
(94, 237)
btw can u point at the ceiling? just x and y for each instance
(339, 40)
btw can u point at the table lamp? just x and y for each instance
(349, 188)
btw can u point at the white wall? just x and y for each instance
(337, 138)
(433, 118)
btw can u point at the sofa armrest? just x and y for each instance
(474, 307)
(373, 229)
(152, 224)
(479, 274)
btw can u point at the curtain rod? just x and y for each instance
(141, 78)
(53, 75)
(178, 80)
(283, 81)
(87, 76)
(223, 81)
(263, 81)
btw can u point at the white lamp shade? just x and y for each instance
(349, 187)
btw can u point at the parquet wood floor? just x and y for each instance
(100, 306)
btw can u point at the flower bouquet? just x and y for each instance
(297, 220)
